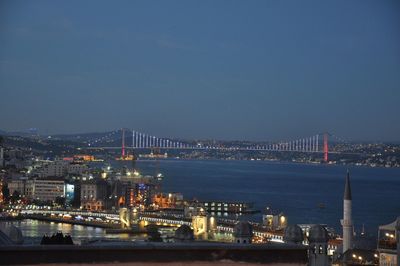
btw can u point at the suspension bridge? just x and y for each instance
(318, 143)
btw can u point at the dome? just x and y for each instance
(293, 234)
(13, 233)
(243, 229)
(4, 239)
(184, 232)
(318, 233)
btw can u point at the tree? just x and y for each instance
(15, 196)
(6, 192)
(60, 201)
(153, 234)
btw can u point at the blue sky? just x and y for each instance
(258, 70)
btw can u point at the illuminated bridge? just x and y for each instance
(112, 220)
(317, 143)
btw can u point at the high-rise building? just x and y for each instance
(347, 222)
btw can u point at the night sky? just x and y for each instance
(256, 70)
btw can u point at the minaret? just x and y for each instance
(347, 222)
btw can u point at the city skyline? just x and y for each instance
(200, 132)
(254, 71)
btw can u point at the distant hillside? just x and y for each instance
(82, 136)
(51, 146)
(15, 133)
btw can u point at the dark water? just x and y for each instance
(295, 189)
(34, 230)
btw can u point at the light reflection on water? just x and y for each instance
(34, 230)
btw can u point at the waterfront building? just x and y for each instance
(93, 195)
(221, 207)
(45, 189)
(274, 221)
(347, 222)
(17, 185)
(193, 209)
(388, 237)
(37, 189)
(29, 189)
(169, 200)
(138, 191)
(139, 195)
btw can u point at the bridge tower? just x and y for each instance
(326, 147)
(123, 144)
(125, 217)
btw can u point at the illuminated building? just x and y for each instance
(69, 193)
(93, 195)
(43, 189)
(170, 200)
(139, 195)
(387, 243)
(138, 190)
(47, 189)
(220, 207)
(17, 185)
(83, 158)
(274, 221)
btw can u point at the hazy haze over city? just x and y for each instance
(255, 70)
